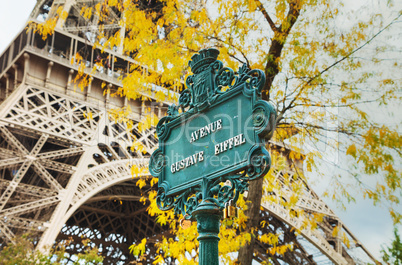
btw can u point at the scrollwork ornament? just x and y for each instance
(172, 111)
(163, 201)
(224, 78)
(191, 204)
(243, 70)
(189, 81)
(185, 99)
(264, 118)
(161, 129)
(157, 163)
(211, 191)
(216, 66)
(186, 202)
(259, 118)
(259, 162)
(237, 185)
(254, 80)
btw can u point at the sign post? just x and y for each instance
(211, 145)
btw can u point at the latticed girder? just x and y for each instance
(61, 167)
(11, 162)
(6, 153)
(47, 177)
(61, 153)
(320, 238)
(47, 145)
(29, 207)
(7, 233)
(76, 23)
(287, 235)
(54, 115)
(113, 219)
(15, 145)
(31, 190)
(25, 224)
(310, 203)
(24, 168)
(307, 198)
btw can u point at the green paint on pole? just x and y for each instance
(208, 216)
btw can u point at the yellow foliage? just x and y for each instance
(147, 122)
(87, 115)
(313, 66)
(137, 171)
(141, 183)
(47, 28)
(139, 249)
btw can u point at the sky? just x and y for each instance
(13, 15)
(371, 225)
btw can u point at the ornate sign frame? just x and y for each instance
(187, 181)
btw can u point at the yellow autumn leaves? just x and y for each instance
(315, 70)
(47, 28)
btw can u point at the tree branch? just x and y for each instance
(354, 51)
(340, 60)
(266, 16)
(239, 49)
(278, 42)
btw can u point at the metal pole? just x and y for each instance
(208, 218)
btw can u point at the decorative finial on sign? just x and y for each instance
(204, 58)
(210, 82)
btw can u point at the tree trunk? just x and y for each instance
(271, 70)
(253, 213)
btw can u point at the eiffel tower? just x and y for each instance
(64, 175)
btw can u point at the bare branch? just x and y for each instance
(237, 59)
(354, 51)
(340, 60)
(266, 16)
(239, 49)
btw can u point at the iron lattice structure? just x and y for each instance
(64, 175)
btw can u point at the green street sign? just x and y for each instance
(216, 133)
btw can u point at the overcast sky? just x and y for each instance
(13, 15)
(371, 225)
